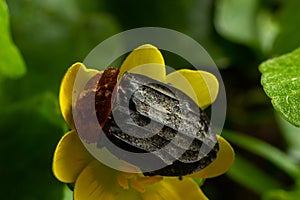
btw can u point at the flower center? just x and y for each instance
(137, 181)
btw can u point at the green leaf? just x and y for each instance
(288, 18)
(11, 61)
(290, 133)
(281, 195)
(199, 181)
(248, 175)
(281, 82)
(265, 150)
(235, 20)
(248, 22)
(68, 194)
(268, 30)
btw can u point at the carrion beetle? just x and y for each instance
(139, 114)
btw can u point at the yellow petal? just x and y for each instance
(201, 86)
(97, 181)
(129, 195)
(175, 189)
(66, 90)
(223, 162)
(70, 158)
(146, 60)
(65, 93)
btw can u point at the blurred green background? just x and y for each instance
(51, 35)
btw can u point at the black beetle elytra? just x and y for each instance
(147, 116)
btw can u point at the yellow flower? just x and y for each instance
(72, 163)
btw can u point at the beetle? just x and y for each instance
(141, 115)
